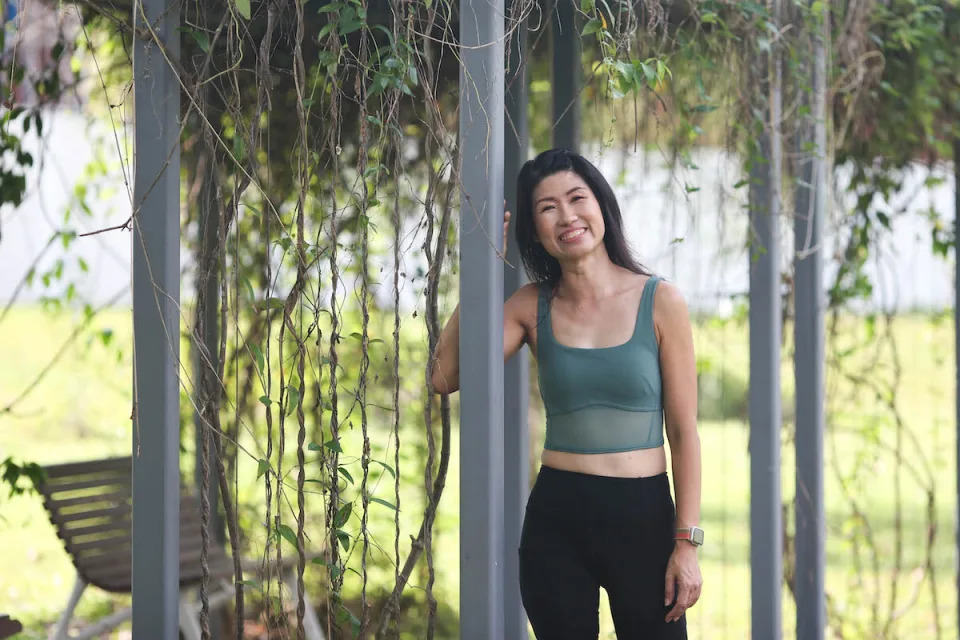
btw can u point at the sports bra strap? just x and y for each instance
(543, 306)
(644, 330)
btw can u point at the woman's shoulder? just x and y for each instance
(669, 303)
(525, 298)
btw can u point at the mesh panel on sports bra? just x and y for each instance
(602, 429)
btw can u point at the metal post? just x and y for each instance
(156, 324)
(516, 380)
(956, 324)
(766, 564)
(481, 320)
(567, 74)
(811, 204)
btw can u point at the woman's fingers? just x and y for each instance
(687, 596)
(506, 225)
(683, 594)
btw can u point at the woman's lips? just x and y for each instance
(572, 235)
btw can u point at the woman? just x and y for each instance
(616, 363)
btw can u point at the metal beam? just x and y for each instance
(156, 324)
(516, 379)
(567, 72)
(956, 324)
(811, 204)
(481, 320)
(766, 564)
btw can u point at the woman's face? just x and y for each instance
(567, 216)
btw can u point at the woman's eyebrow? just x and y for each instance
(577, 188)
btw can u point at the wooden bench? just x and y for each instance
(90, 505)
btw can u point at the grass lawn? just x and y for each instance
(82, 410)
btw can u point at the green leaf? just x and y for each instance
(199, 37)
(327, 28)
(587, 6)
(346, 474)
(594, 25)
(383, 502)
(343, 515)
(266, 401)
(288, 534)
(333, 445)
(257, 356)
(239, 148)
(293, 398)
(243, 7)
(252, 584)
(344, 539)
(249, 287)
(320, 561)
(313, 446)
(387, 467)
(262, 467)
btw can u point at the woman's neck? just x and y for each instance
(592, 277)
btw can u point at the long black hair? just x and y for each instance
(541, 266)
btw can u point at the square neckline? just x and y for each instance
(548, 316)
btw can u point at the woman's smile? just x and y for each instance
(572, 235)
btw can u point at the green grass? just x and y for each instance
(82, 410)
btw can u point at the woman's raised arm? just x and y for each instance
(445, 360)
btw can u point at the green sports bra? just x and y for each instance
(602, 400)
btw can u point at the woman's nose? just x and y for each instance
(567, 215)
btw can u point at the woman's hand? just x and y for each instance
(683, 579)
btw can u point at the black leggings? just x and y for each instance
(582, 532)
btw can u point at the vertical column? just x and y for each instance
(811, 204)
(516, 380)
(481, 320)
(766, 564)
(956, 323)
(567, 73)
(156, 325)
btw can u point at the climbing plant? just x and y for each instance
(321, 161)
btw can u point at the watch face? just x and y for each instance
(696, 535)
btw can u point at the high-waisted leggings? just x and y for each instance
(582, 532)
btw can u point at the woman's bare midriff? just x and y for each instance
(641, 463)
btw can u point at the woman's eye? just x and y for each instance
(577, 198)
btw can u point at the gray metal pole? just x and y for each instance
(156, 325)
(956, 324)
(516, 379)
(766, 564)
(481, 320)
(811, 204)
(567, 75)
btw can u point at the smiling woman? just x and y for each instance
(616, 364)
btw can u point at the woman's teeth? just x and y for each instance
(572, 235)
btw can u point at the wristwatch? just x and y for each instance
(693, 535)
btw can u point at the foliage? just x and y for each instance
(320, 157)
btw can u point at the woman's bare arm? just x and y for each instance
(445, 360)
(445, 366)
(679, 373)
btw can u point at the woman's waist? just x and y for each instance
(637, 463)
